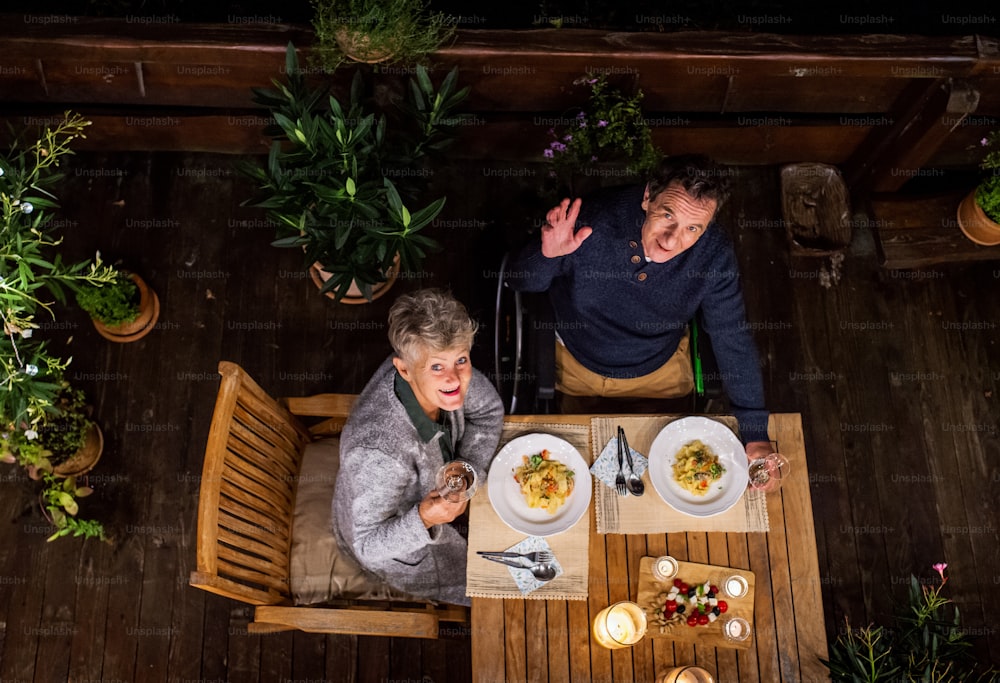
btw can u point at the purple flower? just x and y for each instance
(548, 154)
(594, 158)
(558, 146)
(567, 138)
(580, 115)
(583, 123)
(984, 142)
(592, 81)
(552, 131)
(602, 123)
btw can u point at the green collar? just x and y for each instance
(427, 429)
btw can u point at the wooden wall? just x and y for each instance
(880, 106)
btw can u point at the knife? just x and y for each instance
(498, 553)
(501, 560)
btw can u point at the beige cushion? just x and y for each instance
(319, 570)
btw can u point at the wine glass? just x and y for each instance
(457, 481)
(767, 473)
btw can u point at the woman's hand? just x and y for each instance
(434, 509)
(558, 238)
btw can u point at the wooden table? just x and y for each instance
(546, 640)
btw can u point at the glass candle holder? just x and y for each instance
(735, 586)
(664, 568)
(735, 629)
(686, 674)
(620, 625)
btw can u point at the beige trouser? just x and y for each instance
(673, 379)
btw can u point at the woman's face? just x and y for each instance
(439, 379)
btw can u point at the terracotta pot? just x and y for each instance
(353, 295)
(149, 313)
(355, 46)
(84, 459)
(976, 225)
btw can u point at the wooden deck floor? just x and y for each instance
(897, 378)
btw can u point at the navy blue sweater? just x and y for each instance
(623, 319)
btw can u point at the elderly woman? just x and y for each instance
(424, 406)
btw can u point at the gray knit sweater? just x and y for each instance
(386, 470)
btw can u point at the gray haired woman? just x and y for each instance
(424, 406)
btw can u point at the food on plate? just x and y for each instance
(694, 605)
(545, 483)
(696, 468)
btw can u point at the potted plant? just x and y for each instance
(376, 31)
(925, 643)
(41, 417)
(327, 185)
(122, 310)
(979, 212)
(609, 132)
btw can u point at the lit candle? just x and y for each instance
(735, 586)
(620, 625)
(686, 674)
(736, 629)
(664, 568)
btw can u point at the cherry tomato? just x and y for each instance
(714, 589)
(722, 606)
(678, 583)
(683, 588)
(692, 620)
(670, 606)
(702, 619)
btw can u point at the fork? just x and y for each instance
(620, 479)
(537, 557)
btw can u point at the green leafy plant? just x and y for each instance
(59, 496)
(988, 191)
(37, 406)
(111, 303)
(385, 31)
(609, 128)
(326, 182)
(925, 644)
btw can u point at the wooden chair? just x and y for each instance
(245, 513)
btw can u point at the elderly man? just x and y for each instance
(424, 406)
(625, 273)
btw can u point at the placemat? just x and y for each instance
(648, 514)
(485, 579)
(693, 572)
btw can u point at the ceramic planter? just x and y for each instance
(149, 313)
(84, 459)
(354, 295)
(976, 225)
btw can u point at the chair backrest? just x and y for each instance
(247, 494)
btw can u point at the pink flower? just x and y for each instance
(940, 567)
(602, 123)
(984, 142)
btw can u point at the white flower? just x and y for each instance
(26, 333)
(30, 434)
(1, 170)
(26, 207)
(30, 370)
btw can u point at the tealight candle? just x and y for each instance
(736, 629)
(735, 586)
(623, 624)
(664, 568)
(686, 674)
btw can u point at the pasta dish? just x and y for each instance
(545, 483)
(696, 468)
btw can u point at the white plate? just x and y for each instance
(508, 501)
(723, 443)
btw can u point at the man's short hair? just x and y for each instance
(701, 177)
(429, 320)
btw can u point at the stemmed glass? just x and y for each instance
(457, 481)
(766, 473)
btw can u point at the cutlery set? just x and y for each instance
(633, 484)
(539, 562)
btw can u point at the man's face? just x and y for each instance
(674, 222)
(439, 379)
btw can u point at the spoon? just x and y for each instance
(635, 485)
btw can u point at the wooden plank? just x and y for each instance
(23, 642)
(538, 637)
(488, 631)
(373, 660)
(598, 597)
(515, 640)
(558, 635)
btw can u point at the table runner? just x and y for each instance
(485, 579)
(648, 514)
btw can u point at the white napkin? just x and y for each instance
(525, 580)
(605, 468)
